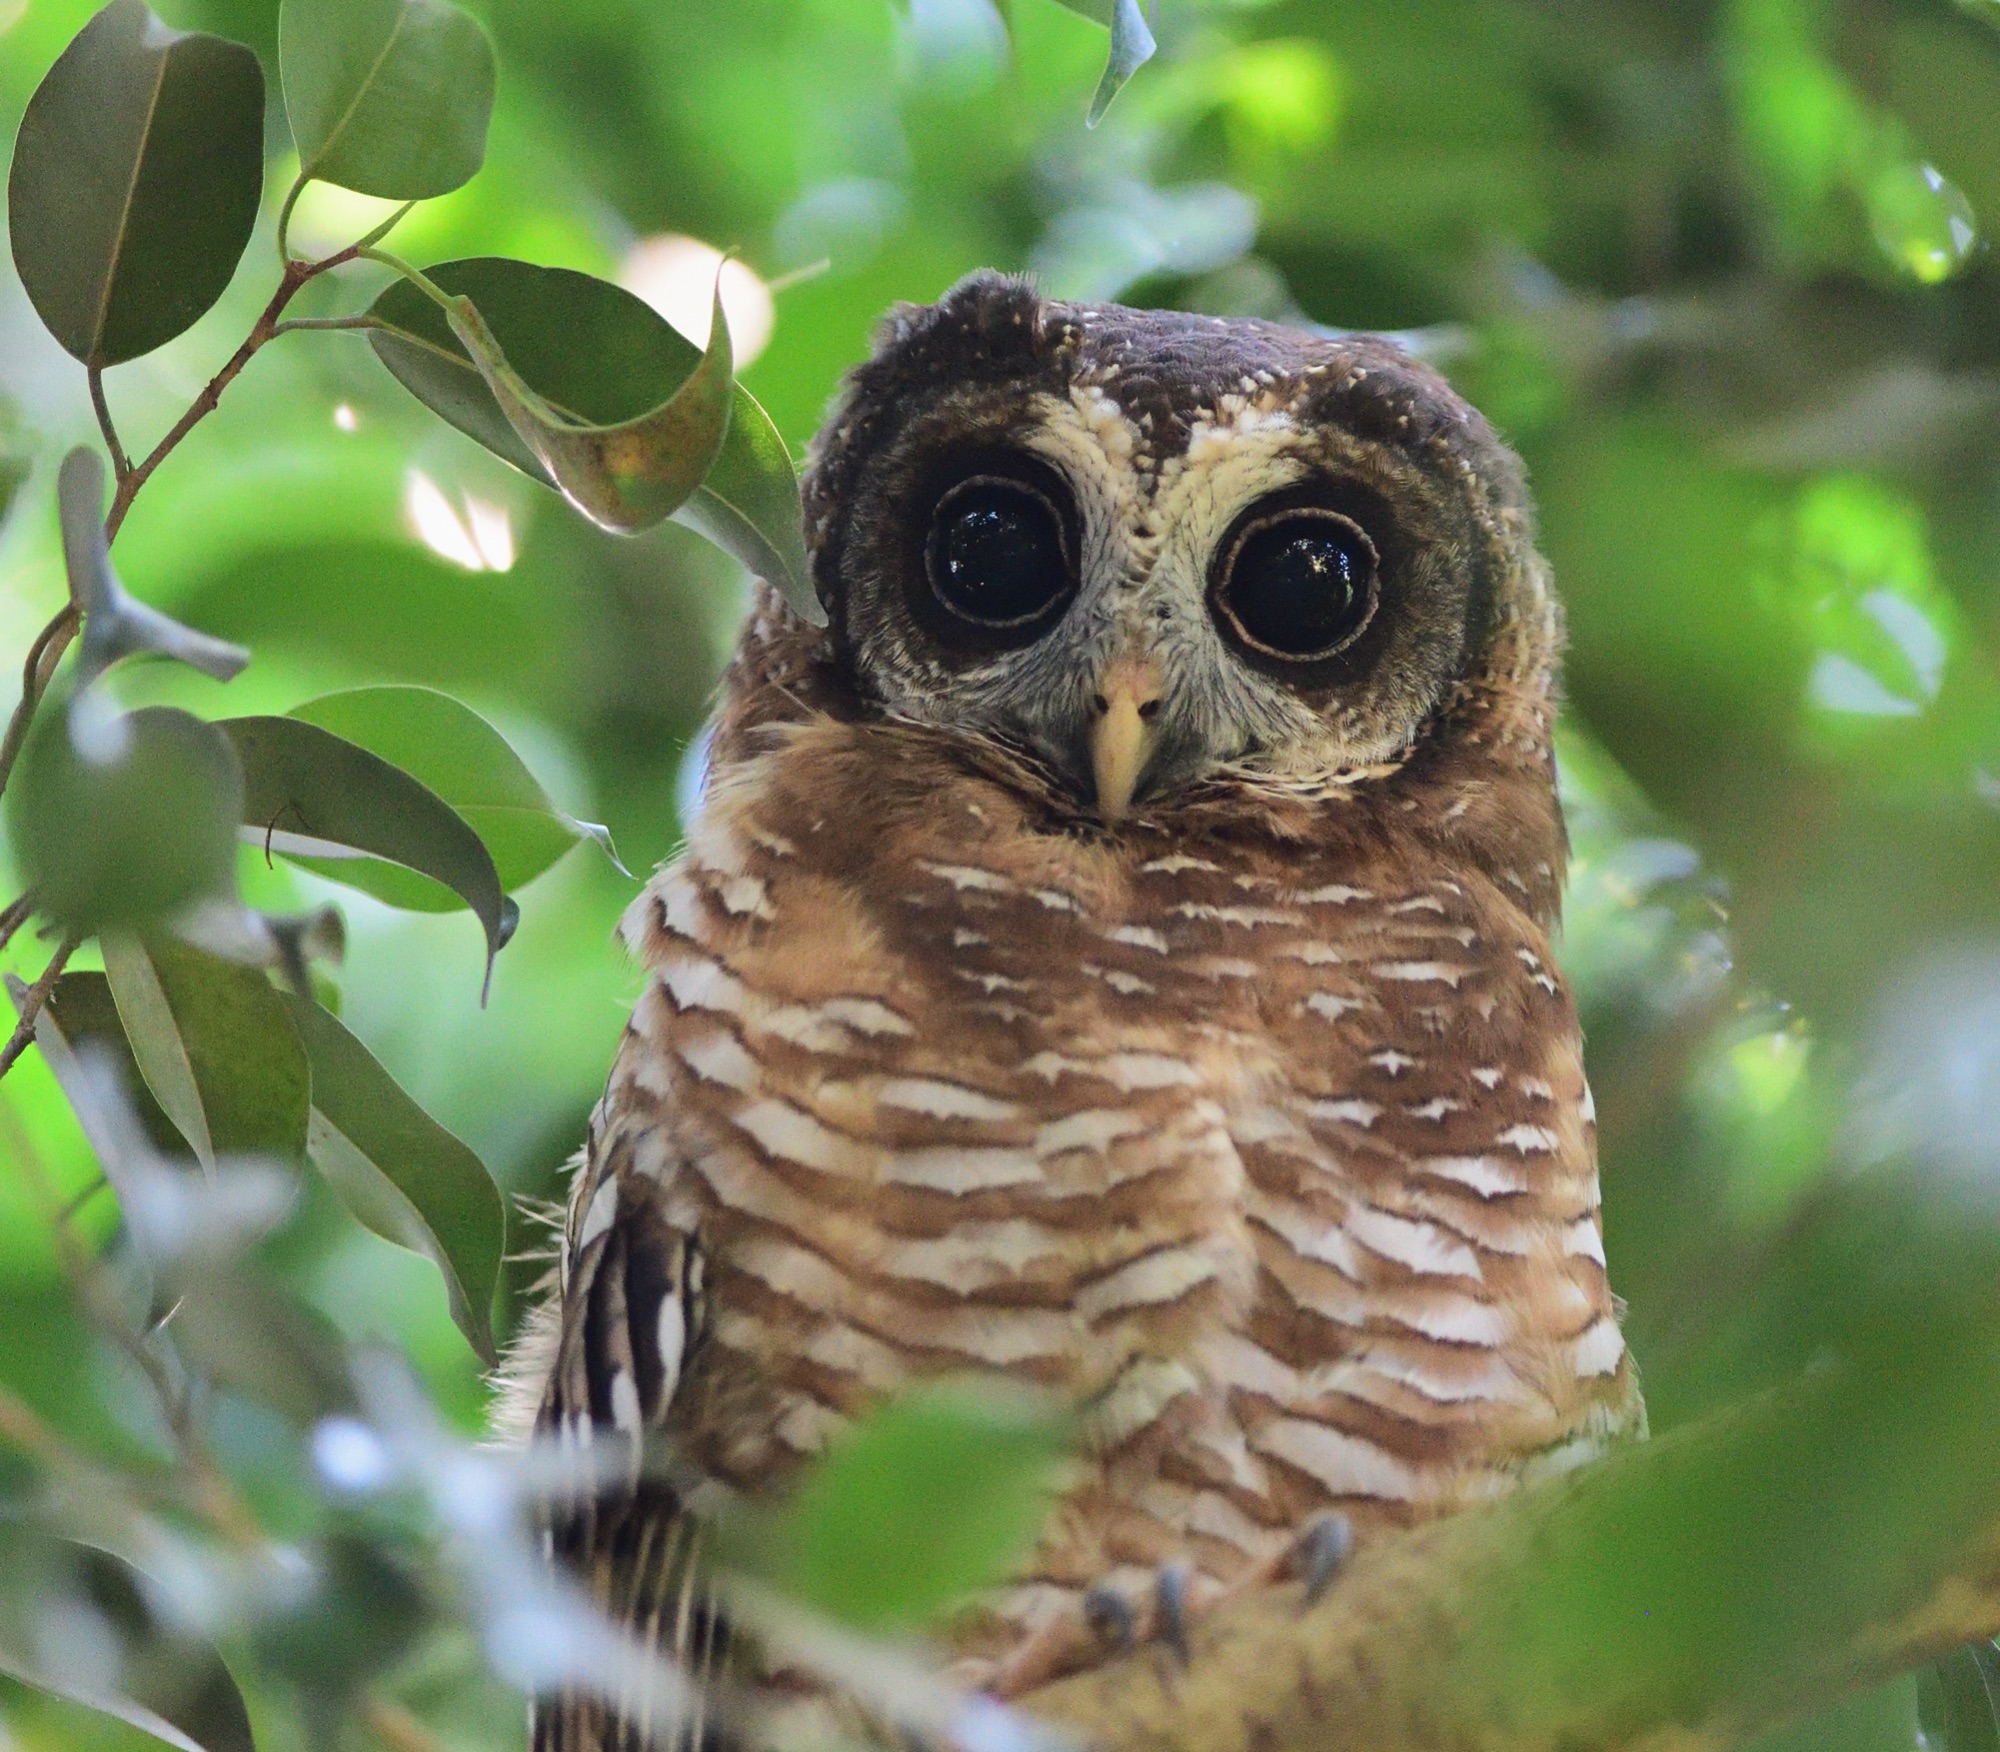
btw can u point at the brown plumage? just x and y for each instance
(1249, 1114)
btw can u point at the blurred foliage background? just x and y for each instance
(1716, 269)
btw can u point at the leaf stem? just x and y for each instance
(43, 655)
(362, 320)
(32, 1001)
(285, 218)
(416, 276)
(121, 464)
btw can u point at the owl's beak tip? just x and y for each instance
(1123, 736)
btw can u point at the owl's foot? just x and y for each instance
(1110, 1623)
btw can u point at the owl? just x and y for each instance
(1113, 955)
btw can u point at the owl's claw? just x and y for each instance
(1321, 1551)
(1111, 1619)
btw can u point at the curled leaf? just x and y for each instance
(1132, 47)
(115, 624)
(600, 354)
(627, 476)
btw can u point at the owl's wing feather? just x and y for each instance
(632, 1315)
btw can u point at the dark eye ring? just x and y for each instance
(1298, 585)
(998, 554)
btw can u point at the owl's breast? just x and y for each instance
(1276, 1160)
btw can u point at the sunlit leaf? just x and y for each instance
(311, 793)
(928, 1501)
(598, 353)
(215, 1044)
(400, 1172)
(453, 750)
(116, 624)
(136, 178)
(124, 819)
(80, 1624)
(1132, 46)
(624, 477)
(386, 97)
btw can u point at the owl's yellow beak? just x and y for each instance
(1122, 736)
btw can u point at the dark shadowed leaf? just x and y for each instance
(115, 624)
(387, 97)
(215, 1045)
(308, 792)
(85, 1014)
(597, 352)
(1132, 47)
(135, 184)
(400, 1172)
(624, 477)
(1958, 1700)
(81, 1624)
(131, 826)
(928, 1501)
(452, 749)
(243, 1334)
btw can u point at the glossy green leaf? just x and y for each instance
(599, 353)
(401, 1173)
(135, 184)
(215, 1045)
(115, 624)
(1922, 222)
(1132, 46)
(624, 477)
(124, 819)
(1959, 1700)
(136, 1666)
(308, 792)
(928, 1501)
(386, 97)
(453, 750)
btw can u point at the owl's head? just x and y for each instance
(1154, 550)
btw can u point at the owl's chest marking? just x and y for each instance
(1283, 1170)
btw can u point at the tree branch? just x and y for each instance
(1688, 1593)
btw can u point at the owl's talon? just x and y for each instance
(1322, 1551)
(1111, 1618)
(1170, 1610)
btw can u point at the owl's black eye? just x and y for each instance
(996, 554)
(1300, 584)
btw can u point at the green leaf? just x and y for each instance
(1959, 1700)
(401, 1173)
(1132, 47)
(215, 1044)
(141, 1669)
(124, 819)
(597, 352)
(930, 1500)
(116, 625)
(624, 477)
(386, 97)
(309, 792)
(136, 179)
(452, 749)
(83, 1012)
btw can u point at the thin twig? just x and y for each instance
(31, 1004)
(121, 463)
(16, 914)
(43, 655)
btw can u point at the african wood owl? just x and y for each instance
(1113, 954)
